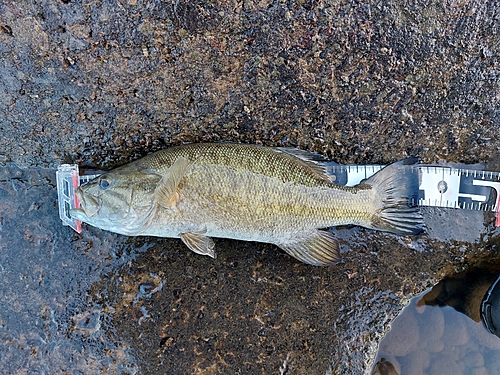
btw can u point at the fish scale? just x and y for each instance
(246, 192)
(263, 160)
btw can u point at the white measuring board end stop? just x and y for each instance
(68, 180)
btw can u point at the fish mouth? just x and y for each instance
(78, 214)
(88, 206)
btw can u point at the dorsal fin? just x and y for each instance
(312, 159)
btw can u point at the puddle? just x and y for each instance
(440, 332)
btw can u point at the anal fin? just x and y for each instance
(199, 243)
(319, 248)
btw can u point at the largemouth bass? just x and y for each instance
(275, 195)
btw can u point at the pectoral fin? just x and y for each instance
(167, 190)
(318, 248)
(199, 243)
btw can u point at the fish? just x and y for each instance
(281, 196)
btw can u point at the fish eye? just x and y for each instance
(104, 183)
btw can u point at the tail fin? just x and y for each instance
(394, 187)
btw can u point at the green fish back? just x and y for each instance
(271, 162)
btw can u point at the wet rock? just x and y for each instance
(282, 74)
(103, 83)
(52, 324)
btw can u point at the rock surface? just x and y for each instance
(101, 83)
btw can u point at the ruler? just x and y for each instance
(438, 186)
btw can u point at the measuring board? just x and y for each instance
(438, 186)
(68, 179)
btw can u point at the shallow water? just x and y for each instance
(440, 332)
